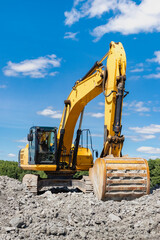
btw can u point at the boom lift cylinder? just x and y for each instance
(119, 102)
(79, 131)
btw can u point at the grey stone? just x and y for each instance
(54, 231)
(114, 218)
(82, 234)
(10, 229)
(17, 222)
(73, 215)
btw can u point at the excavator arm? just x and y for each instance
(114, 94)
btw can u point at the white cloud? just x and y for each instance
(76, 2)
(156, 58)
(146, 137)
(140, 138)
(34, 68)
(48, 112)
(98, 7)
(24, 140)
(11, 155)
(3, 86)
(138, 107)
(140, 64)
(127, 16)
(156, 109)
(53, 74)
(72, 16)
(88, 8)
(144, 114)
(101, 103)
(21, 146)
(153, 75)
(129, 20)
(97, 135)
(134, 78)
(137, 70)
(96, 115)
(151, 129)
(154, 157)
(151, 150)
(125, 104)
(125, 114)
(71, 35)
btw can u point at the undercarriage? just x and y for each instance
(111, 178)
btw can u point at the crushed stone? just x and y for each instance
(73, 215)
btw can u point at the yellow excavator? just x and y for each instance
(111, 176)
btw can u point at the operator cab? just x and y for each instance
(42, 145)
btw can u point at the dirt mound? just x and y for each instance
(74, 215)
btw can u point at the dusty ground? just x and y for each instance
(74, 215)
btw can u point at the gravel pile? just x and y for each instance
(74, 215)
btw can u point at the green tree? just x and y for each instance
(11, 169)
(154, 167)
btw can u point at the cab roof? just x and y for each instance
(43, 128)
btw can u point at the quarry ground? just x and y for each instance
(73, 215)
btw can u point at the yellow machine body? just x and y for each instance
(112, 176)
(84, 161)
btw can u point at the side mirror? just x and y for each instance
(96, 154)
(30, 137)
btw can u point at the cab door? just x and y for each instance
(32, 138)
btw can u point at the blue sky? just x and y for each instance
(45, 46)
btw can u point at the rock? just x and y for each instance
(48, 195)
(114, 218)
(157, 205)
(54, 231)
(82, 234)
(17, 222)
(62, 231)
(10, 229)
(73, 215)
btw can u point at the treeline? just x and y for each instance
(11, 169)
(154, 168)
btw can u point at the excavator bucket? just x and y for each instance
(120, 178)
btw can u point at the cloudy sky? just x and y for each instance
(45, 46)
